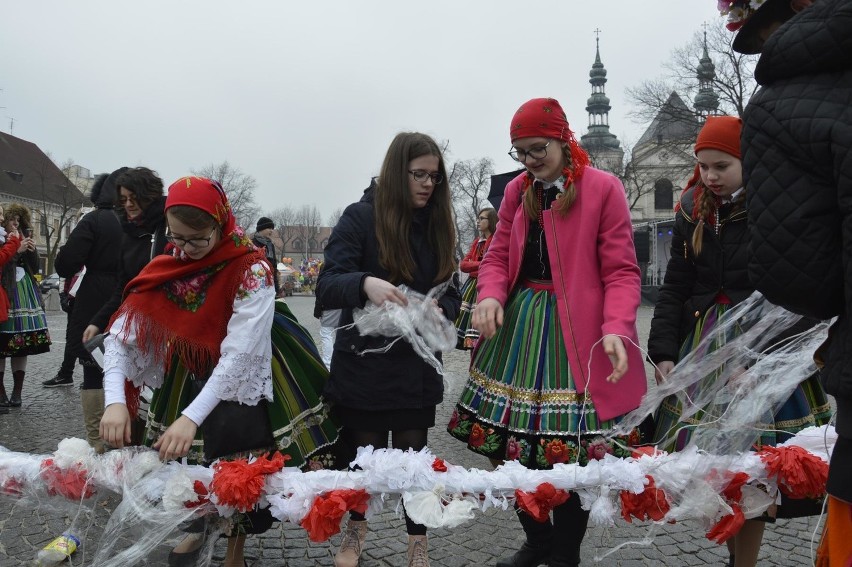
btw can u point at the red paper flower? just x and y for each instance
(239, 483)
(538, 504)
(800, 474)
(650, 504)
(649, 450)
(439, 465)
(728, 526)
(12, 487)
(202, 492)
(734, 490)
(72, 483)
(323, 519)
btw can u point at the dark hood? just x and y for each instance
(817, 40)
(104, 192)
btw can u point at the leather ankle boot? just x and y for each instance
(417, 552)
(352, 543)
(536, 550)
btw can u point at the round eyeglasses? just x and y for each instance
(420, 176)
(538, 152)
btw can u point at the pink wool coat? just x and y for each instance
(595, 276)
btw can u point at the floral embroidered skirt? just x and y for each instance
(520, 401)
(298, 416)
(25, 332)
(807, 406)
(467, 335)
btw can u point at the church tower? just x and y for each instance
(706, 101)
(602, 145)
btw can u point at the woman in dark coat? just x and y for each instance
(401, 232)
(95, 244)
(140, 203)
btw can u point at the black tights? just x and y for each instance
(403, 439)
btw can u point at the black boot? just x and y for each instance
(569, 528)
(4, 399)
(536, 550)
(15, 400)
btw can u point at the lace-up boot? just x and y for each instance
(417, 552)
(351, 544)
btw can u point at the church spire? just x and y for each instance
(706, 101)
(602, 145)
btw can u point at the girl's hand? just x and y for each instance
(115, 425)
(22, 247)
(664, 367)
(487, 317)
(378, 291)
(177, 440)
(614, 348)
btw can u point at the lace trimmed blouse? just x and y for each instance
(243, 373)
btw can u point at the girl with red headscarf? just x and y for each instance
(706, 276)
(558, 292)
(202, 326)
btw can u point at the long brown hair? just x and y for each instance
(705, 212)
(394, 212)
(565, 198)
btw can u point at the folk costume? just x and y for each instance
(25, 331)
(537, 390)
(467, 335)
(193, 329)
(700, 287)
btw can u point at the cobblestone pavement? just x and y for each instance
(48, 415)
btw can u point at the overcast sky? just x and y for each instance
(306, 96)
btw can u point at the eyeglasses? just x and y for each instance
(539, 152)
(124, 200)
(483, 218)
(194, 242)
(420, 176)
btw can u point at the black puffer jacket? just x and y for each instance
(693, 282)
(797, 142)
(141, 242)
(398, 379)
(93, 243)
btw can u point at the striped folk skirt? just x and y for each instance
(467, 335)
(521, 402)
(807, 406)
(299, 418)
(25, 332)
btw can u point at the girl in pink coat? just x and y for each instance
(558, 291)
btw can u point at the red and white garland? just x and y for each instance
(721, 490)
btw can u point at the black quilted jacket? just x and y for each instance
(692, 282)
(797, 142)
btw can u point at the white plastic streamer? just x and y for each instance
(421, 323)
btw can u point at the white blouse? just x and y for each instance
(243, 373)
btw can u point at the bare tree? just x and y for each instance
(285, 224)
(470, 182)
(238, 186)
(733, 83)
(307, 226)
(59, 204)
(334, 217)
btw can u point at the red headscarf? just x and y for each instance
(544, 117)
(181, 307)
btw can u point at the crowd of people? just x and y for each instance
(187, 303)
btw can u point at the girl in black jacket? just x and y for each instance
(401, 232)
(706, 276)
